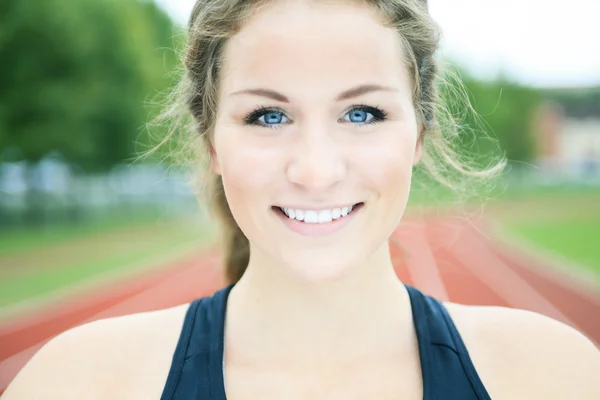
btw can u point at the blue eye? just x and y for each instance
(268, 117)
(365, 115)
(272, 118)
(360, 116)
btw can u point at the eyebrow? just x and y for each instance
(345, 95)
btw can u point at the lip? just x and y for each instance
(317, 208)
(323, 229)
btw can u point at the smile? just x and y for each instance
(317, 217)
(317, 222)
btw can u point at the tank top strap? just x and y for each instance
(181, 350)
(447, 369)
(197, 359)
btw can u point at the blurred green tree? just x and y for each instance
(506, 110)
(75, 77)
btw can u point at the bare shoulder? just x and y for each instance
(522, 354)
(122, 357)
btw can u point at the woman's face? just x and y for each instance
(315, 115)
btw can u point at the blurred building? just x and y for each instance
(54, 191)
(567, 135)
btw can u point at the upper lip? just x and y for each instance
(317, 208)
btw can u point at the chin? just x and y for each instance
(320, 269)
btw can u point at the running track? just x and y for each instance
(450, 259)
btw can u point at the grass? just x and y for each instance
(96, 255)
(428, 192)
(577, 239)
(555, 191)
(42, 282)
(563, 219)
(21, 239)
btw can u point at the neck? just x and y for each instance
(276, 318)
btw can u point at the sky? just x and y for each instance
(541, 43)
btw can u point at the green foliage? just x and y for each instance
(505, 111)
(482, 125)
(76, 75)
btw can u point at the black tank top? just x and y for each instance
(197, 367)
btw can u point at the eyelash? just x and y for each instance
(379, 115)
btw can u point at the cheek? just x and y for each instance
(386, 162)
(247, 167)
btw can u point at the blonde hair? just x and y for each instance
(193, 105)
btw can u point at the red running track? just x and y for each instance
(451, 260)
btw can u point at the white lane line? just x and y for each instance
(9, 367)
(421, 264)
(473, 253)
(161, 296)
(42, 308)
(556, 268)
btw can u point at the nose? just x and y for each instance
(317, 163)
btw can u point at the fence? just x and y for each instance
(54, 192)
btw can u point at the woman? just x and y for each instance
(314, 114)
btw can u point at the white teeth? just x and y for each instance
(337, 212)
(317, 217)
(325, 216)
(311, 217)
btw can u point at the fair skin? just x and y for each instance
(348, 330)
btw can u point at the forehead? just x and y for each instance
(316, 45)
